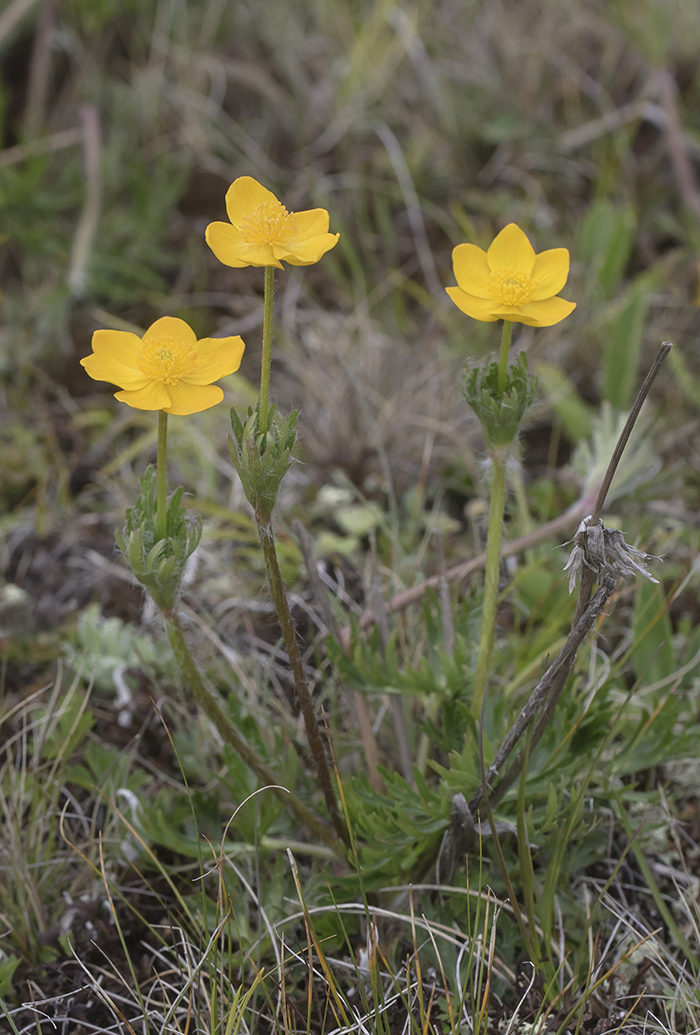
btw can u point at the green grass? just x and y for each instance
(145, 883)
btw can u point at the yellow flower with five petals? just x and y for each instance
(263, 233)
(510, 282)
(167, 369)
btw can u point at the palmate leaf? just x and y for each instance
(592, 456)
(370, 670)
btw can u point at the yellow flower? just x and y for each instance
(262, 232)
(167, 369)
(510, 282)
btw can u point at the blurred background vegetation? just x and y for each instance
(418, 124)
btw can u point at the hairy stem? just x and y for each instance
(497, 505)
(214, 711)
(506, 335)
(279, 598)
(266, 364)
(161, 475)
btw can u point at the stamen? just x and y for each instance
(511, 287)
(166, 359)
(268, 223)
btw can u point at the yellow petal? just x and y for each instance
(186, 398)
(172, 327)
(311, 223)
(545, 313)
(216, 357)
(226, 243)
(304, 253)
(550, 272)
(243, 196)
(230, 248)
(511, 250)
(153, 396)
(472, 271)
(477, 308)
(101, 369)
(114, 358)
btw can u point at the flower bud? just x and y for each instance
(158, 564)
(262, 459)
(500, 412)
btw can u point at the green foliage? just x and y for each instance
(107, 769)
(132, 259)
(591, 457)
(604, 244)
(623, 340)
(396, 832)
(575, 415)
(95, 16)
(8, 965)
(63, 731)
(686, 381)
(652, 654)
(106, 644)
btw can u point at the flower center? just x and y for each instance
(511, 287)
(268, 223)
(166, 359)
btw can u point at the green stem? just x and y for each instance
(161, 475)
(506, 335)
(497, 504)
(214, 711)
(279, 598)
(266, 347)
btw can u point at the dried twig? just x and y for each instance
(55, 142)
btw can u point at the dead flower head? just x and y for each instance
(605, 552)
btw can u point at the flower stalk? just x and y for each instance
(318, 752)
(506, 335)
(266, 364)
(161, 475)
(497, 506)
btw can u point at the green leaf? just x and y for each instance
(605, 243)
(622, 345)
(8, 966)
(358, 519)
(575, 415)
(688, 384)
(652, 654)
